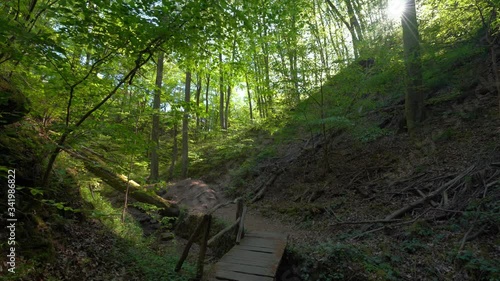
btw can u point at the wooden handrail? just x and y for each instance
(203, 247)
(224, 231)
(190, 242)
(204, 226)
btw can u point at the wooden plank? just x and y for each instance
(256, 258)
(244, 249)
(255, 249)
(259, 242)
(245, 268)
(262, 234)
(261, 263)
(237, 276)
(252, 255)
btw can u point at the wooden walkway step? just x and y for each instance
(256, 258)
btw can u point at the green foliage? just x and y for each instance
(369, 133)
(420, 228)
(413, 245)
(153, 212)
(478, 267)
(58, 205)
(445, 135)
(152, 266)
(443, 67)
(135, 250)
(336, 261)
(448, 96)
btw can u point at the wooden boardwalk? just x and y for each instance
(256, 258)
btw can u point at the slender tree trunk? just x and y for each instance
(260, 107)
(350, 27)
(198, 94)
(155, 132)
(249, 97)
(221, 92)
(354, 23)
(207, 127)
(185, 121)
(414, 100)
(492, 40)
(228, 101)
(174, 151)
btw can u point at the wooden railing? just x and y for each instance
(203, 228)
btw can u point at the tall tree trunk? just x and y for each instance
(414, 99)
(206, 102)
(260, 106)
(155, 131)
(354, 23)
(198, 94)
(295, 75)
(174, 151)
(185, 121)
(267, 69)
(221, 92)
(249, 97)
(228, 101)
(349, 25)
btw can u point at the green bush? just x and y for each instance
(336, 261)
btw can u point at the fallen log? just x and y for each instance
(121, 182)
(263, 189)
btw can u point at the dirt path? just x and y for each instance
(253, 220)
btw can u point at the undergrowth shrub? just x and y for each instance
(478, 267)
(133, 249)
(338, 261)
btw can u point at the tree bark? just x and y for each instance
(414, 99)
(174, 151)
(185, 121)
(228, 101)
(350, 26)
(197, 96)
(249, 97)
(206, 100)
(155, 131)
(221, 92)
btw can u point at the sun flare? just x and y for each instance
(395, 9)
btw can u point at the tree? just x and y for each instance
(414, 99)
(351, 22)
(222, 118)
(185, 124)
(155, 131)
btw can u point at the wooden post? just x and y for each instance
(239, 212)
(241, 226)
(189, 244)
(239, 209)
(207, 221)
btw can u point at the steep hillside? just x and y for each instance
(389, 207)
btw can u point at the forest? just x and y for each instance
(365, 131)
